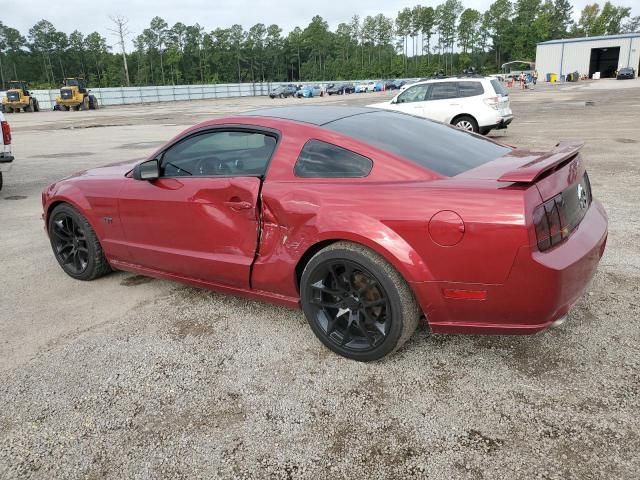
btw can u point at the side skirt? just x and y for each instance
(291, 302)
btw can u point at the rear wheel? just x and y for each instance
(36, 105)
(75, 244)
(85, 104)
(466, 122)
(356, 303)
(93, 102)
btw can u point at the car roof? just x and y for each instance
(316, 115)
(452, 79)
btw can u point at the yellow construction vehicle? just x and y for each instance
(74, 95)
(18, 97)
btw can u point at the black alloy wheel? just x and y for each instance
(69, 243)
(349, 305)
(75, 244)
(356, 303)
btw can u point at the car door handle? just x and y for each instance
(238, 205)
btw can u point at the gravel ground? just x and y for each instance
(131, 377)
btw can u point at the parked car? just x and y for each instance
(370, 87)
(466, 234)
(340, 89)
(393, 84)
(309, 91)
(360, 88)
(283, 91)
(626, 73)
(6, 158)
(378, 86)
(477, 104)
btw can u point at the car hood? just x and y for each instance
(386, 105)
(112, 170)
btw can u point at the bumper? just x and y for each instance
(501, 123)
(67, 103)
(15, 104)
(6, 160)
(540, 289)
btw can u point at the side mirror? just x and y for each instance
(149, 170)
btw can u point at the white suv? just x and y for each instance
(477, 104)
(5, 152)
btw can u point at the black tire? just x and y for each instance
(70, 232)
(93, 102)
(0, 180)
(332, 300)
(29, 108)
(36, 105)
(465, 122)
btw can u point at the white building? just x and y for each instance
(589, 55)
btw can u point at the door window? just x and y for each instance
(443, 90)
(417, 93)
(219, 153)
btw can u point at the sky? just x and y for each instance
(91, 15)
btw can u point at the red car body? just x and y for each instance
(466, 244)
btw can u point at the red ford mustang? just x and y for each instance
(368, 219)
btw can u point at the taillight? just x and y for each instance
(548, 221)
(6, 133)
(492, 102)
(555, 219)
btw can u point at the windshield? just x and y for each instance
(438, 147)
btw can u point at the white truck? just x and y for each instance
(6, 158)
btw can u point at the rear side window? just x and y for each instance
(470, 89)
(443, 90)
(497, 86)
(440, 148)
(324, 160)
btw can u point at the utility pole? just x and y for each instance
(121, 31)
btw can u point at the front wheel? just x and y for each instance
(75, 244)
(356, 303)
(466, 122)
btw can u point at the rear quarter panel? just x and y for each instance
(388, 211)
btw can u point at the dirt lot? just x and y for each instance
(130, 377)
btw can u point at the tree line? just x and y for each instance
(419, 41)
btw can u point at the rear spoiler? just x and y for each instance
(531, 171)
